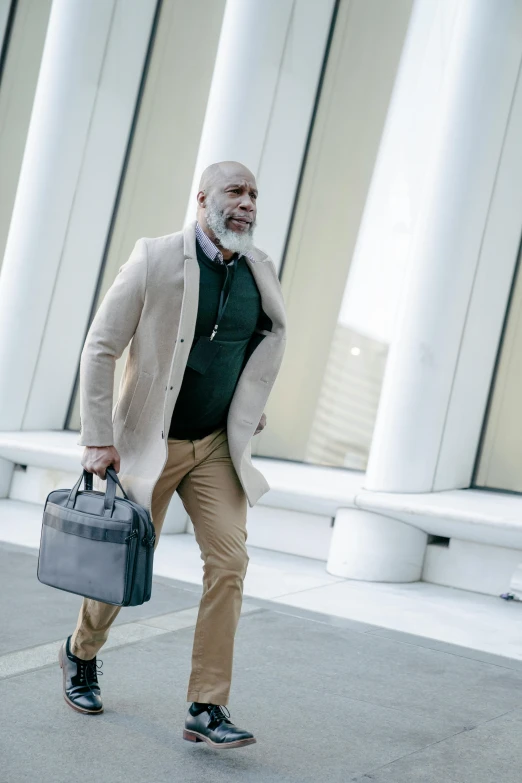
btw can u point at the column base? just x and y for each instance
(374, 548)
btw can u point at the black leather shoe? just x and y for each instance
(80, 681)
(214, 727)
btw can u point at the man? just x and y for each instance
(204, 314)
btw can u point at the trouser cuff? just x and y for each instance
(208, 697)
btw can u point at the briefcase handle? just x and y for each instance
(110, 490)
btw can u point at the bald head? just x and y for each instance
(218, 173)
(227, 206)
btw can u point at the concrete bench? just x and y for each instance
(478, 531)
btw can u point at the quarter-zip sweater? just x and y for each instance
(203, 401)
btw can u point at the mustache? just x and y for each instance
(241, 218)
(250, 223)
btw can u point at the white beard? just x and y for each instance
(241, 243)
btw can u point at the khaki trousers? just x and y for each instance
(206, 480)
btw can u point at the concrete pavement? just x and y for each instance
(327, 698)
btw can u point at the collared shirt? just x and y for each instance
(211, 250)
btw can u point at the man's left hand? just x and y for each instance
(261, 425)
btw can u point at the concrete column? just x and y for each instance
(437, 376)
(85, 99)
(263, 92)
(460, 245)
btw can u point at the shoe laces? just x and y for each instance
(89, 671)
(218, 715)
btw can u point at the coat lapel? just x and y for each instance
(257, 378)
(187, 322)
(270, 291)
(189, 240)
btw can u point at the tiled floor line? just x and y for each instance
(440, 614)
(32, 658)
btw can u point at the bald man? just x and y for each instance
(204, 315)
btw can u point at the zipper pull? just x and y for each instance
(149, 542)
(132, 535)
(214, 332)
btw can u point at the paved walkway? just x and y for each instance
(481, 622)
(329, 699)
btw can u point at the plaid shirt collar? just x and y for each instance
(210, 249)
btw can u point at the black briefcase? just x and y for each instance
(96, 544)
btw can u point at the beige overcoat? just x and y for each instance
(153, 304)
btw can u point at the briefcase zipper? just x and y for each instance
(133, 556)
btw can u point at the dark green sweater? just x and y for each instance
(203, 401)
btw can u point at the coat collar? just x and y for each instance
(189, 240)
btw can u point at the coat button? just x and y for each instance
(182, 340)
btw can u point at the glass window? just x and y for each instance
(499, 465)
(340, 313)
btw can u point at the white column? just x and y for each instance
(459, 176)
(263, 91)
(84, 104)
(438, 372)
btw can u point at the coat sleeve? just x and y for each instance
(109, 334)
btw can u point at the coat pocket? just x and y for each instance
(139, 398)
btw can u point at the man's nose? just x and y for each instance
(247, 204)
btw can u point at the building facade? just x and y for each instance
(385, 140)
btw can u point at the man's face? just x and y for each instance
(235, 196)
(230, 206)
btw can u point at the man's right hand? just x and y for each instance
(96, 459)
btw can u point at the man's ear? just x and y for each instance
(202, 198)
